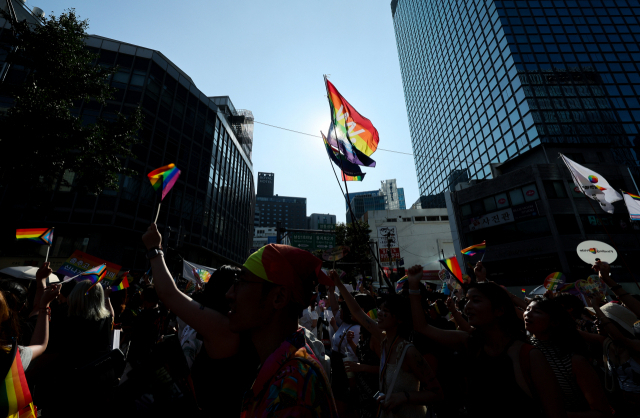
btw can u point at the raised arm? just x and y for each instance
(356, 311)
(41, 282)
(624, 296)
(459, 320)
(333, 302)
(40, 337)
(607, 325)
(212, 325)
(453, 339)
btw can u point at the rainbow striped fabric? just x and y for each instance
(452, 266)
(373, 314)
(475, 249)
(14, 394)
(95, 274)
(352, 178)
(566, 287)
(162, 179)
(42, 236)
(633, 196)
(401, 283)
(123, 284)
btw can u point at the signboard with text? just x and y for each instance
(327, 227)
(491, 219)
(384, 255)
(311, 242)
(80, 262)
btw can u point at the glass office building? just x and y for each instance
(209, 214)
(487, 80)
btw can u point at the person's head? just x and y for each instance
(571, 303)
(621, 317)
(275, 284)
(546, 319)
(15, 295)
(488, 305)
(149, 297)
(87, 305)
(221, 280)
(394, 314)
(9, 324)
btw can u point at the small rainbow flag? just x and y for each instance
(95, 274)
(373, 314)
(42, 236)
(14, 392)
(452, 266)
(124, 283)
(352, 178)
(566, 287)
(475, 249)
(162, 179)
(401, 283)
(524, 290)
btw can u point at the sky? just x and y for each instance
(269, 57)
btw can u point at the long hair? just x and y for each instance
(508, 322)
(562, 329)
(88, 306)
(400, 307)
(9, 325)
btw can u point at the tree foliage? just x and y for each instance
(41, 139)
(356, 237)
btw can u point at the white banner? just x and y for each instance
(196, 273)
(593, 185)
(633, 205)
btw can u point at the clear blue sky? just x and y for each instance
(269, 57)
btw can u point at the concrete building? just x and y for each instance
(423, 235)
(533, 218)
(290, 211)
(316, 219)
(211, 206)
(486, 81)
(388, 197)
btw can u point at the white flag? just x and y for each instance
(593, 185)
(633, 205)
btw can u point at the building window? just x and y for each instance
(392, 220)
(444, 218)
(422, 218)
(554, 189)
(433, 218)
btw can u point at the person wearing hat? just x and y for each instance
(274, 285)
(621, 348)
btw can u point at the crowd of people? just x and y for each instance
(280, 338)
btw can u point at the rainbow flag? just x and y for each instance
(42, 236)
(373, 314)
(401, 283)
(338, 140)
(202, 276)
(357, 129)
(475, 249)
(633, 205)
(124, 283)
(352, 178)
(14, 393)
(162, 179)
(191, 287)
(566, 287)
(452, 266)
(524, 290)
(95, 274)
(633, 196)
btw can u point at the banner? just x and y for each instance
(633, 205)
(196, 273)
(80, 262)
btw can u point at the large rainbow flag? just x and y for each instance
(337, 139)
(452, 266)
(14, 393)
(633, 205)
(162, 179)
(42, 236)
(357, 129)
(352, 178)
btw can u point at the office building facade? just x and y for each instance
(291, 212)
(207, 216)
(388, 197)
(486, 81)
(316, 219)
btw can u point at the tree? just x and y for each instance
(356, 237)
(41, 140)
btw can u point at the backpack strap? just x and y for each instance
(525, 365)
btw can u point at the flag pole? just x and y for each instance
(46, 258)
(157, 213)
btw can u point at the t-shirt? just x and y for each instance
(337, 336)
(308, 316)
(26, 354)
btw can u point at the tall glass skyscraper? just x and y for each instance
(487, 80)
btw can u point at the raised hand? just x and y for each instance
(44, 271)
(480, 272)
(152, 238)
(50, 293)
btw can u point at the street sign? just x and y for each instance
(327, 227)
(325, 241)
(303, 240)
